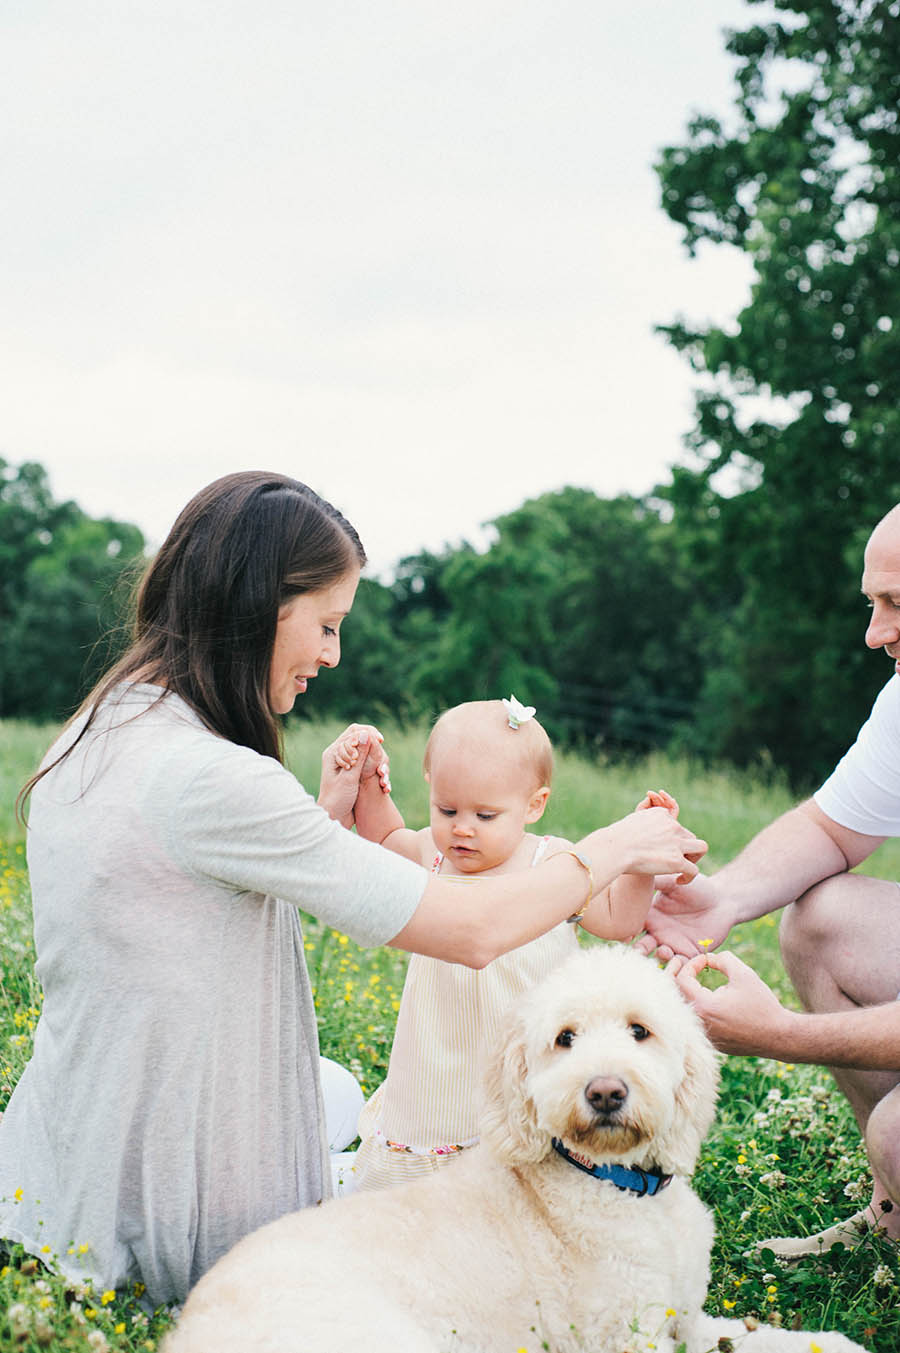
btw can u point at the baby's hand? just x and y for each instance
(360, 740)
(658, 798)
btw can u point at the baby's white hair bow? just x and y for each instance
(516, 713)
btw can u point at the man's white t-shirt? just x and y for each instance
(863, 790)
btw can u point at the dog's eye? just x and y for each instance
(565, 1038)
(638, 1032)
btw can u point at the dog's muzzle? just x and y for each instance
(607, 1096)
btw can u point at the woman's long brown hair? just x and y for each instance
(207, 607)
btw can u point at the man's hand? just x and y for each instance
(686, 919)
(743, 1017)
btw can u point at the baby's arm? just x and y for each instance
(619, 910)
(379, 819)
(375, 814)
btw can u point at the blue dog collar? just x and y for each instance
(642, 1182)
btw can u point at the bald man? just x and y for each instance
(840, 933)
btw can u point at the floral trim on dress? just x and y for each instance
(422, 1150)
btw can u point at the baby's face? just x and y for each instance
(478, 814)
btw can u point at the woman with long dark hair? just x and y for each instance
(173, 1101)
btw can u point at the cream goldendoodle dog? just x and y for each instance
(571, 1227)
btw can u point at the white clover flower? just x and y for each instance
(773, 1178)
(883, 1276)
(19, 1317)
(774, 1096)
(97, 1339)
(857, 1190)
(43, 1332)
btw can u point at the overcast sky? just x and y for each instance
(410, 252)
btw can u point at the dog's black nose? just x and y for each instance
(605, 1094)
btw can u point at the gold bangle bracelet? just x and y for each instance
(586, 865)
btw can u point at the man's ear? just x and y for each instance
(537, 803)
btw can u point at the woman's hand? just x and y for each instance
(356, 755)
(649, 841)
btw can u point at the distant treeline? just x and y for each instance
(604, 613)
(722, 614)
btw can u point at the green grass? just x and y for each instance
(783, 1155)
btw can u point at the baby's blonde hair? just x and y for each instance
(484, 724)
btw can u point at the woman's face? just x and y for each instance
(307, 638)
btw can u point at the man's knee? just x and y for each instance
(808, 923)
(883, 1141)
(841, 942)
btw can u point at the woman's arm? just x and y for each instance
(474, 924)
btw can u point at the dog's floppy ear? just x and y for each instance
(508, 1121)
(677, 1149)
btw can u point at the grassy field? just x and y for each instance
(783, 1155)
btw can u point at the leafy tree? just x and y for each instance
(61, 578)
(579, 606)
(798, 415)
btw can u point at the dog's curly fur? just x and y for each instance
(513, 1247)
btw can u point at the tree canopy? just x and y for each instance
(61, 603)
(722, 612)
(794, 449)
